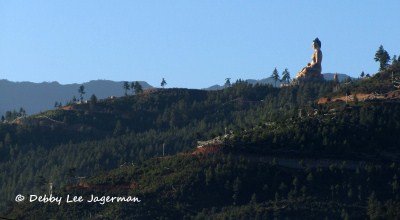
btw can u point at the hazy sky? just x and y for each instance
(191, 43)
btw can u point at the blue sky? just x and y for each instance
(193, 44)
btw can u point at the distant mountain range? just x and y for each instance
(270, 80)
(342, 77)
(36, 97)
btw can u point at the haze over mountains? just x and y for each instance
(36, 97)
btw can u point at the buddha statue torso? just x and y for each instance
(316, 60)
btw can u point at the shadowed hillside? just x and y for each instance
(244, 152)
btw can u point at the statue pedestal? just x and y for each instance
(309, 77)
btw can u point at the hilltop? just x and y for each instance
(384, 85)
(270, 81)
(37, 97)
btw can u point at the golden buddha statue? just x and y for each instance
(314, 68)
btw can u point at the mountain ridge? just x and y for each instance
(269, 80)
(36, 97)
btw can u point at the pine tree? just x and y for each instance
(286, 76)
(163, 83)
(362, 74)
(382, 56)
(394, 60)
(126, 87)
(227, 82)
(137, 87)
(236, 190)
(374, 209)
(133, 87)
(93, 99)
(275, 75)
(81, 91)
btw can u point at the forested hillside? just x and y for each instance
(231, 187)
(280, 155)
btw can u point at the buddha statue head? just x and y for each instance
(316, 43)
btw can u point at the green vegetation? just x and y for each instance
(136, 87)
(383, 82)
(81, 92)
(282, 155)
(382, 56)
(227, 82)
(126, 87)
(11, 115)
(232, 187)
(163, 83)
(275, 76)
(286, 76)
